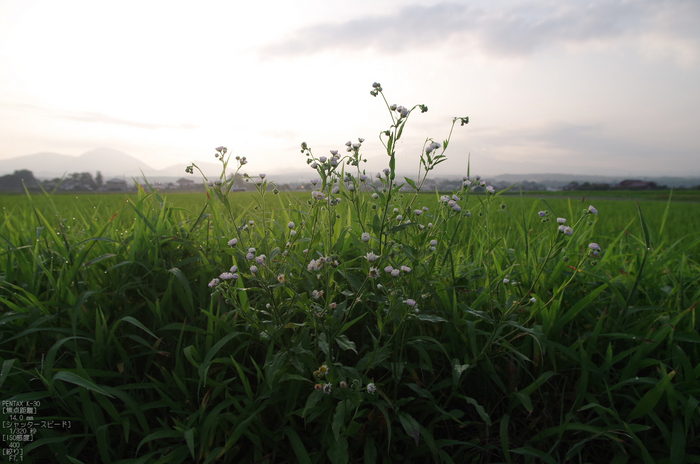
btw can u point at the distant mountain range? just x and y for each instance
(113, 163)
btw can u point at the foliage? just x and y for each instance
(356, 324)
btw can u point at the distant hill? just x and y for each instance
(559, 180)
(111, 163)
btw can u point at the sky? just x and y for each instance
(605, 87)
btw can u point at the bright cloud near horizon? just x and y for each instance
(597, 87)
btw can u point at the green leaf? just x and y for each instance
(189, 439)
(411, 183)
(138, 324)
(79, 381)
(505, 442)
(338, 419)
(6, 366)
(338, 452)
(370, 451)
(529, 451)
(311, 401)
(345, 343)
(297, 445)
(651, 398)
(430, 318)
(410, 425)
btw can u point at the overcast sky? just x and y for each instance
(583, 87)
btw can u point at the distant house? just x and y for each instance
(185, 184)
(637, 184)
(116, 185)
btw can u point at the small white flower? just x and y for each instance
(260, 259)
(490, 189)
(399, 217)
(328, 388)
(425, 208)
(533, 300)
(592, 209)
(568, 231)
(411, 302)
(594, 246)
(253, 269)
(335, 190)
(506, 280)
(361, 139)
(418, 212)
(388, 269)
(405, 269)
(433, 242)
(371, 388)
(234, 268)
(322, 159)
(318, 195)
(249, 256)
(371, 257)
(365, 237)
(334, 152)
(314, 181)
(291, 225)
(314, 165)
(387, 171)
(375, 196)
(226, 276)
(233, 242)
(262, 175)
(348, 143)
(457, 208)
(213, 283)
(561, 221)
(292, 233)
(395, 273)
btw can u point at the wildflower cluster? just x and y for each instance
(345, 275)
